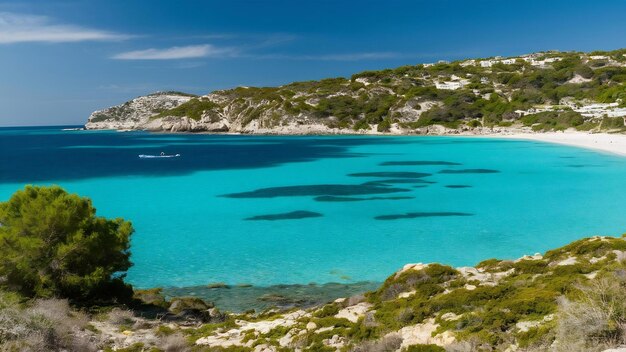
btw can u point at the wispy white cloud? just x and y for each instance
(178, 52)
(211, 51)
(20, 28)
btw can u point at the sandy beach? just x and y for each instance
(605, 142)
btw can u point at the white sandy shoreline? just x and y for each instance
(614, 143)
(605, 142)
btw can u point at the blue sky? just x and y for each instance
(60, 60)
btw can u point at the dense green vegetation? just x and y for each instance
(489, 96)
(529, 291)
(551, 120)
(192, 109)
(54, 245)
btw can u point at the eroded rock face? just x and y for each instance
(135, 114)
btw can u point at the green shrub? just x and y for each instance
(610, 123)
(474, 124)
(192, 109)
(424, 348)
(208, 329)
(361, 125)
(530, 266)
(384, 126)
(54, 245)
(327, 311)
(553, 120)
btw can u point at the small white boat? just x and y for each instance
(147, 156)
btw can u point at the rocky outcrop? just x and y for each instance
(135, 114)
(156, 113)
(227, 114)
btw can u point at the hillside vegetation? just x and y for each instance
(570, 299)
(543, 91)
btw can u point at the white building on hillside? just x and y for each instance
(449, 85)
(600, 110)
(544, 62)
(497, 60)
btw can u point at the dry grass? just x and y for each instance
(596, 320)
(45, 325)
(174, 343)
(121, 317)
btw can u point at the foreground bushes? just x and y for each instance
(45, 325)
(54, 245)
(595, 317)
(537, 290)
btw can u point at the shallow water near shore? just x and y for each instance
(242, 298)
(272, 210)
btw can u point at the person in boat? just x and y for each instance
(162, 153)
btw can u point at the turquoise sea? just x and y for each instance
(268, 210)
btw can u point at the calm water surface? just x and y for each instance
(294, 210)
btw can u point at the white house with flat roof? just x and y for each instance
(449, 85)
(535, 62)
(497, 60)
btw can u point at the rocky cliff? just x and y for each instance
(136, 113)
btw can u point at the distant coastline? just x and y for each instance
(540, 92)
